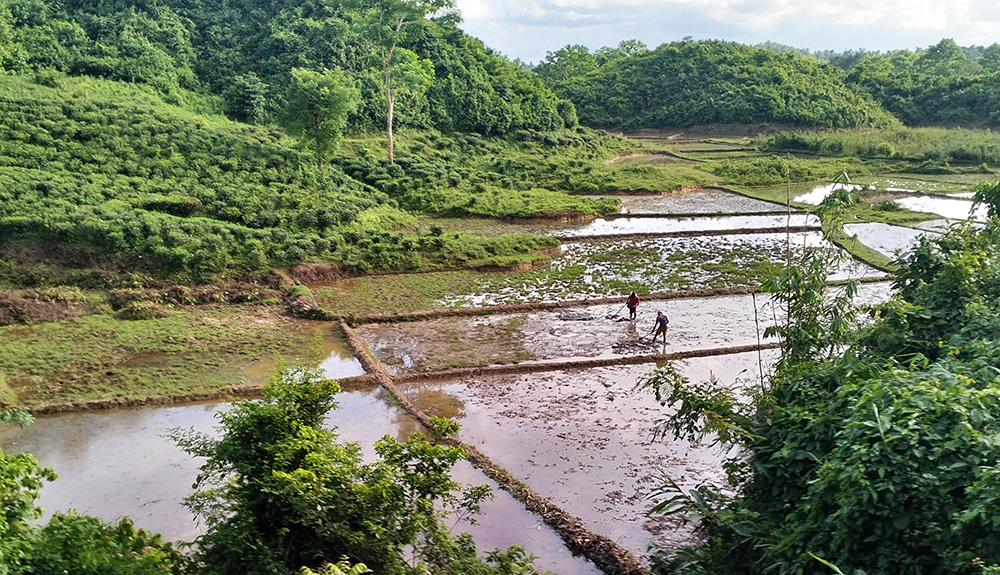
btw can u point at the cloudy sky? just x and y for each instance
(527, 29)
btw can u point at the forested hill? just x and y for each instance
(709, 82)
(245, 50)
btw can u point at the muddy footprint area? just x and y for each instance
(591, 332)
(584, 439)
(447, 343)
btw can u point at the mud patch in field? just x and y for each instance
(603, 268)
(599, 331)
(695, 202)
(583, 439)
(447, 342)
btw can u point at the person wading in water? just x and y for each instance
(631, 303)
(661, 326)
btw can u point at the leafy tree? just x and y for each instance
(571, 61)
(278, 492)
(387, 24)
(318, 105)
(710, 82)
(20, 479)
(246, 98)
(947, 60)
(870, 460)
(990, 59)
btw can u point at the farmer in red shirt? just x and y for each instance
(631, 303)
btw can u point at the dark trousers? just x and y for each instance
(631, 313)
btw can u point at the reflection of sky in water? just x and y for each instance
(956, 209)
(620, 226)
(819, 193)
(118, 463)
(884, 238)
(338, 364)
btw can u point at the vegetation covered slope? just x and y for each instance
(245, 50)
(111, 166)
(710, 82)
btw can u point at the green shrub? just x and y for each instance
(142, 310)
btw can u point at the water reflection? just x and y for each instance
(118, 463)
(623, 226)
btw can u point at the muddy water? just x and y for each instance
(338, 361)
(608, 267)
(696, 202)
(622, 226)
(884, 238)
(114, 464)
(588, 332)
(583, 439)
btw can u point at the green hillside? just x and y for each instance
(114, 138)
(711, 82)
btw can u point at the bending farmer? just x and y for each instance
(631, 303)
(661, 326)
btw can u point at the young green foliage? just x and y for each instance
(317, 109)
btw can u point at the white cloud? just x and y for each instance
(527, 28)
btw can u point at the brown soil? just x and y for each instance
(564, 217)
(538, 306)
(657, 153)
(25, 307)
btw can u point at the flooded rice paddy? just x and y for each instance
(583, 439)
(601, 331)
(951, 208)
(608, 267)
(885, 238)
(119, 463)
(625, 226)
(958, 207)
(696, 202)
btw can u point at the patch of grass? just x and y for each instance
(99, 356)
(395, 293)
(772, 170)
(969, 147)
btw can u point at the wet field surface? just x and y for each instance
(624, 226)
(885, 238)
(695, 202)
(608, 267)
(600, 331)
(581, 438)
(119, 463)
(584, 439)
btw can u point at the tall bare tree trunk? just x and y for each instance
(389, 114)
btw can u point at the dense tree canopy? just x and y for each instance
(244, 50)
(689, 83)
